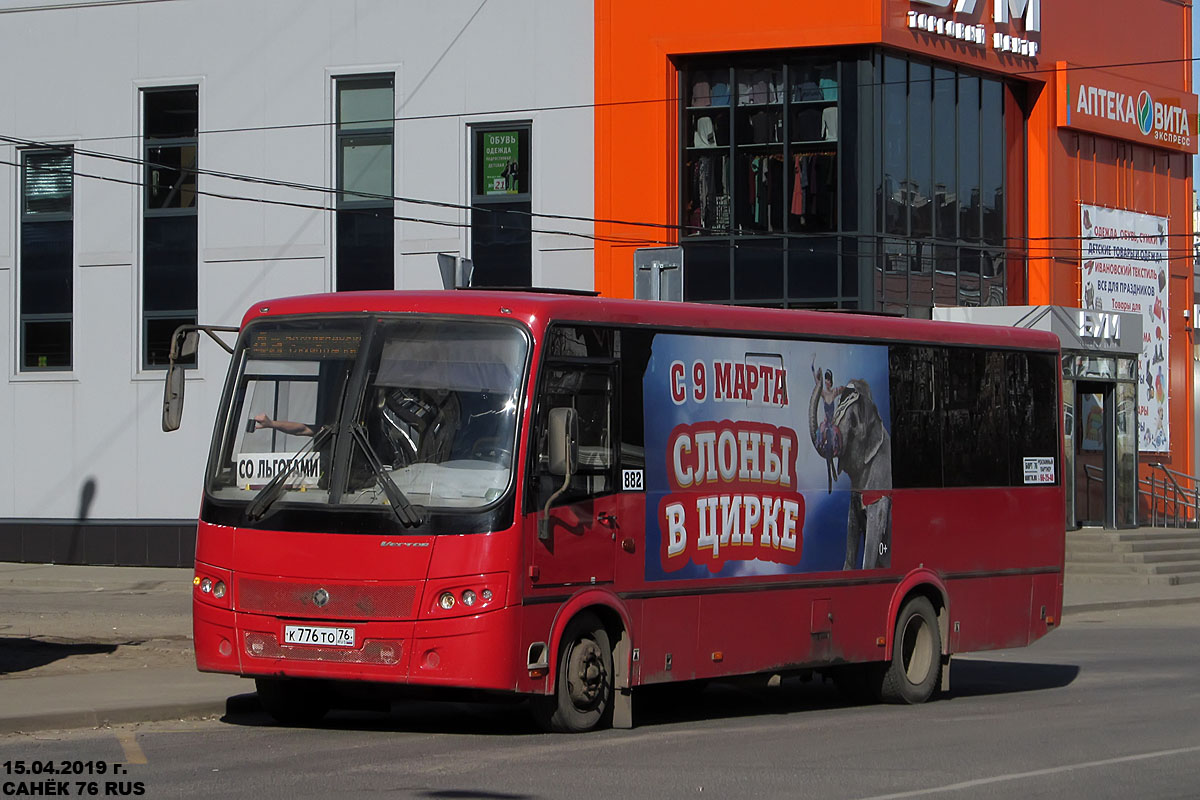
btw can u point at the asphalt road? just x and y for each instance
(1108, 706)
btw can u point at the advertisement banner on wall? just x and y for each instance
(1124, 268)
(500, 162)
(766, 457)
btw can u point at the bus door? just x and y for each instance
(574, 542)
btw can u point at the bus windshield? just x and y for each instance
(400, 412)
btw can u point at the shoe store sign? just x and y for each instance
(1017, 23)
(1124, 268)
(1098, 102)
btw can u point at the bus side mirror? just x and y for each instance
(173, 399)
(564, 441)
(183, 346)
(188, 343)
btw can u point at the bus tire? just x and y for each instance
(916, 665)
(583, 689)
(293, 701)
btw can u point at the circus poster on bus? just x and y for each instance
(1124, 267)
(766, 457)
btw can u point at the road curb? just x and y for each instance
(234, 705)
(102, 717)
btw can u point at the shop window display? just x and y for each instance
(834, 165)
(761, 159)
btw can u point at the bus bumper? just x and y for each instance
(471, 651)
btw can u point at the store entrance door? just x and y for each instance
(1094, 465)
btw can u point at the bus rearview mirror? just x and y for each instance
(564, 441)
(184, 344)
(563, 434)
(173, 398)
(187, 344)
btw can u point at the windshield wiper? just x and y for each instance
(404, 510)
(267, 496)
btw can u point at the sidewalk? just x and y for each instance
(1080, 596)
(108, 645)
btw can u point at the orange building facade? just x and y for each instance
(905, 155)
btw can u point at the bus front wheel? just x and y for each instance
(916, 664)
(293, 701)
(583, 690)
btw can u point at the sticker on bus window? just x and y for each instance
(255, 470)
(631, 480)
(1039, 470)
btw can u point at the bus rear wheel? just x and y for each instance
(916, 665)
(583, 690)
(294, 701)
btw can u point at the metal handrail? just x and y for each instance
(1090, 473)
(1179, 506)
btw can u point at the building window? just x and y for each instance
(170, 130)
(46, 259)
(501, 206)
(365, 205)
(940, 201)
(763, 158)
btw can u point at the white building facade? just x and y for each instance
(168, 161)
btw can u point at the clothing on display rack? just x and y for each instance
(806, 89)
(759, 87)
(706, 134)
(829, 124)
(766, 126)
(813, 176)
(765, 193)
(709, 180)
(701, 93)
(720, 92)
(721, 223)
(808, 125)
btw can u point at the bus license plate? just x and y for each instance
(311, 634)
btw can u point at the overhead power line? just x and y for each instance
(752, 242)
(683, 231)
(1034, 248)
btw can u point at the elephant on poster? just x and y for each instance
(853, 440)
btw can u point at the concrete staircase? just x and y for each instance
(1158, 556)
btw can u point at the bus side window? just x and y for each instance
(1032, 409)
(916, 416)
(633, 352)
(975, 438)
(591, 391)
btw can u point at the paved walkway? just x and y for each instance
(32, 700)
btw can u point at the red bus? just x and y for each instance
(569, 497)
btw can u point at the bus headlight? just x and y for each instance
(212, 585)
(465, 595)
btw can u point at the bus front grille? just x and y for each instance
(324, 600)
